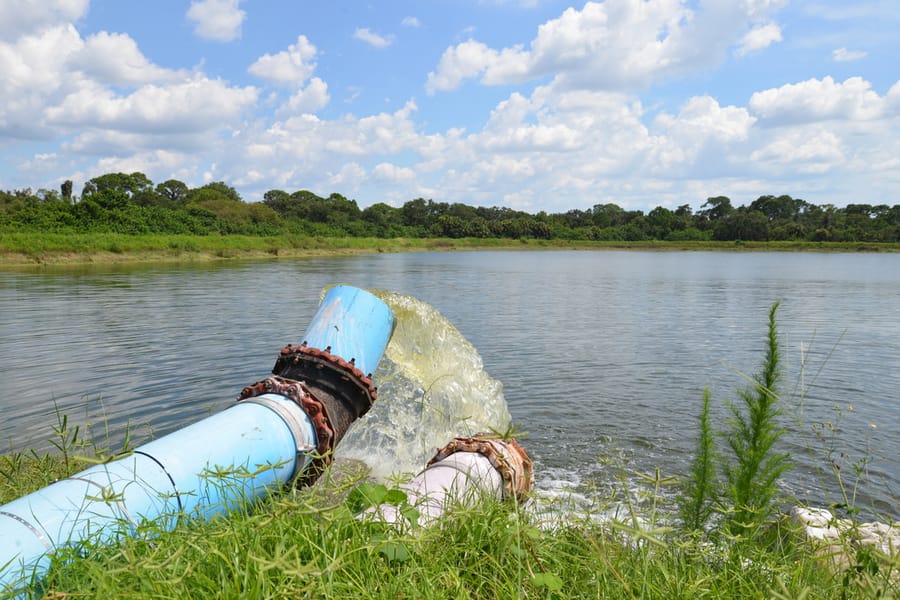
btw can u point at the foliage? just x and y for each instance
(754, 465)
(700, 490)
(309, 543)
(754, 431)
(132, 204)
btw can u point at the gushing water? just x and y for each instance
(432, 387)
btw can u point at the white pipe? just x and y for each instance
(461, 479)
(466, 471)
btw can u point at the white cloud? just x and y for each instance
(759, 37)
(391, 173)
(703, 118)
(156, 164)
(34, 62)
(196, 105)
(33, 68)
(458, 63)
(292, 66)
(307, 100)
(703, 138)
(807, 151)
(558, 148)
(893, 97)
(373, 39)
(112, 142)
(347, 178)
(561, 142)
(23, 17)
(411, 22)
(508, 129)
(759, 8)
(218, 20)
(578, 135)
(844, 55)
(817, 100)
(305, 141)
(114, 58)
(106, 93)
(613, 45)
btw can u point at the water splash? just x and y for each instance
(432, 387)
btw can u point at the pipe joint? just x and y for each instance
(295, 391)
(505, 455)
(301, 426)
(331, 391)
(345, 391)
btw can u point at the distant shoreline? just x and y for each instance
(39, 249)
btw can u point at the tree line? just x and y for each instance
(133, 204)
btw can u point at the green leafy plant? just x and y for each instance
(755, 467)
(696, 502)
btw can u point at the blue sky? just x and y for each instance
(530, 104)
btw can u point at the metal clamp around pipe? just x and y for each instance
(298, 423)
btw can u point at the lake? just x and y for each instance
(603, 356)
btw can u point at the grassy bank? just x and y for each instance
(308, 544)
(25, 249)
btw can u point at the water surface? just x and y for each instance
(603, 356)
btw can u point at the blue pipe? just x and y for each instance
(204, 469)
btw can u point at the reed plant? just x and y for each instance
(754, 430)
(701, 489)
(747, 494)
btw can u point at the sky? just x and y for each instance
(535, 105)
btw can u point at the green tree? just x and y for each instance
(777, 208)
(125, 184)
(422, 213)
(742, 225)
(173, 193)
(278, 200)
(383, 216)
(608, 215)
(220, 188)
(661, 222)
(715, 209)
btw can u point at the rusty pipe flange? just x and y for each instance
(315, 410)
(345, 391)
(507, 456)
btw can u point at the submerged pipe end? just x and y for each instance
(506, 455)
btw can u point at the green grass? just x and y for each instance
(55, 248)
(309, 544)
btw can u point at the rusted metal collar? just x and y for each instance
(345, 391)
(330, 390)
(507, 456)
(315, 410)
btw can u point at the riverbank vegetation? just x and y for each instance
(172, 219)
(730, 541)
(308, 543)
(27, 249)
